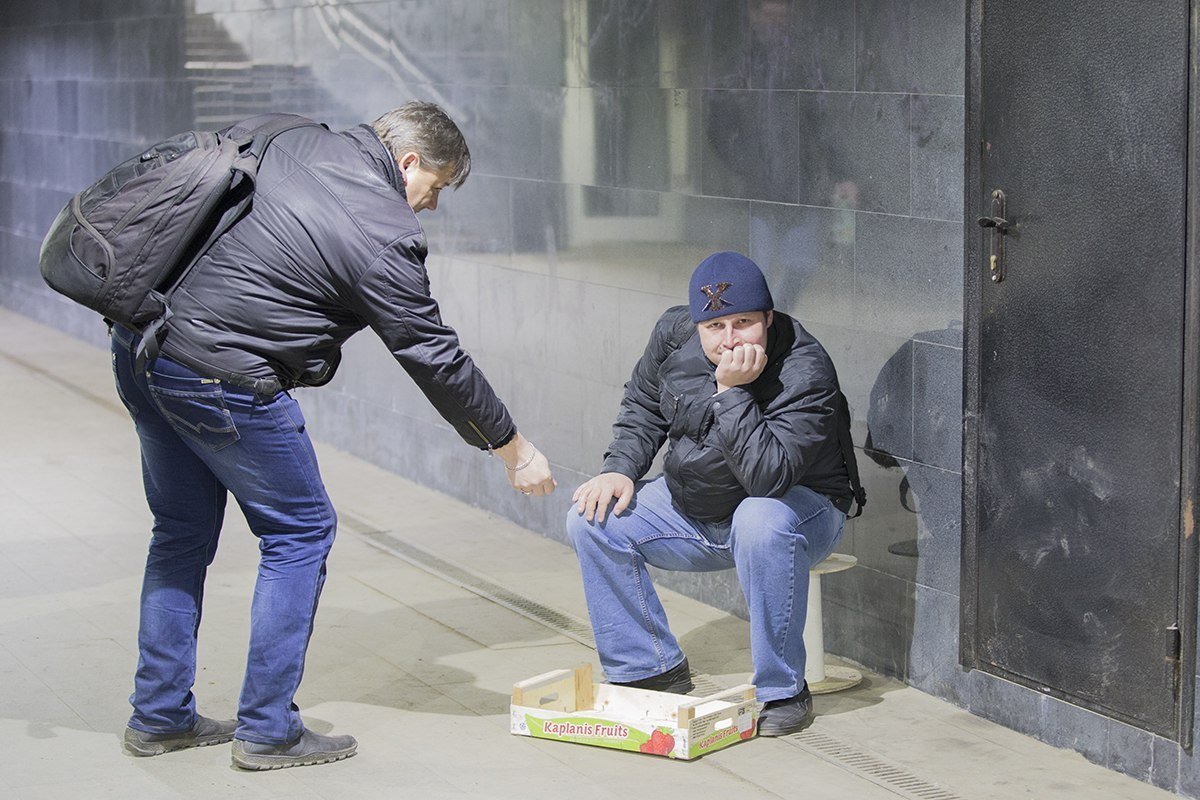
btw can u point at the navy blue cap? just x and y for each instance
(727, 283)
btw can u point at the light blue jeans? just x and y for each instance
(771, 542)
(201, 441)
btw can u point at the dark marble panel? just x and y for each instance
(807, 255)
(572, 331)
(350, 43)
(1005, 703)
(514, 131)
(66, 102)
(1164, 768)
(889, 413)
(1129, 751)
(597, 412)
(903, 46)
(937, 53)
(1066, 725)
(537, 43)
(456, 42)
(514, 338)
(868, 618)
(269, 41)
(9, 206)
(622, 43)
(647, 241)
(886, 535)
(711, 49)
(69, 53)
(134, 9)
(908, 274)
(20, 108)
(937, 156)
(133, 54)
(711, 224)
(937, 406)
(630, 134)
(455, 284)
(933, 660)
(106, 46)
(750, 145)
(473, 222)
(539, 213)
(108, 106)
(938, 498)
(20, 151)
(854, 151)
(43, 106)
(801, 44)
(162, 109)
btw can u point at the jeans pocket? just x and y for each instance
(195, 407)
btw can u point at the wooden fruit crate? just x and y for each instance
(566, 706)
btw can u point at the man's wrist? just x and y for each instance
(517, 453)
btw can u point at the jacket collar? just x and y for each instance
(377, 155)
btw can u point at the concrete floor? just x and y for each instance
(416, 666)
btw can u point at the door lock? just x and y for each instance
(999, 226)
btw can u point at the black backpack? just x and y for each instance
(121, 245)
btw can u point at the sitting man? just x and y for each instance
(757, 477)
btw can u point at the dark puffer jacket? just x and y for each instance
(757, 440)
(329, 247)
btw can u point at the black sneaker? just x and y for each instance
(311, 748)
(792, 715)
(204, 732)
(677, 680)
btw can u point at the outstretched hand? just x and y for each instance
(527, 469)
(534, 477)
(593, 496)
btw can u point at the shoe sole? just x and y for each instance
(260, 763)
(147, 749)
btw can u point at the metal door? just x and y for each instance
(1079, 453)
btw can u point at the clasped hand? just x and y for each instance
(740, 365)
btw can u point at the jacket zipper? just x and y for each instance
(485, 439)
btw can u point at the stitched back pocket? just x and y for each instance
(195, 407)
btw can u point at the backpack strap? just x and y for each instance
(251, 137)
(847, 444)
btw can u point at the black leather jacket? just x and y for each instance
(330, 246)
(757, 440)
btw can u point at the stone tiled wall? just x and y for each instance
(616, 143)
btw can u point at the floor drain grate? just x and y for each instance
(870, 767)
(565, 624)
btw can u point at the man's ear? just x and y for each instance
(770, 318)
(409, 159)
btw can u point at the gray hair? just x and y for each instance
(425, 129)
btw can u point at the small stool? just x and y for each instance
(822, 679)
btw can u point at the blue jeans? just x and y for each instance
(200, 441)
(771, 542)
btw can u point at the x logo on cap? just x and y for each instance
(715, 301)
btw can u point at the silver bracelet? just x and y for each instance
(528, 461)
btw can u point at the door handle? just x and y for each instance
(999, 226)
